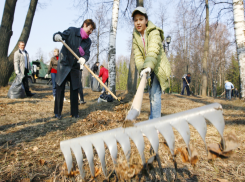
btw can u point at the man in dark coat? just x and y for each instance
(94, 68)
(186, 83)
(68, 67)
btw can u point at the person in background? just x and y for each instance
(236, 93)
(22, 66)
(34, 71)
(150, 58)
(228, 87)
(68, 68)
(53, 69)
(186, 84)
(95, 69)
(81, 97)
(104, 75)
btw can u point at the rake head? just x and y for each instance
(196, 117)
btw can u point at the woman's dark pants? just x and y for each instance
(59, 98)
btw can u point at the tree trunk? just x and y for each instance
(112, 46)
(6, 62)
(98, 44)
(132, 74)
(139, 3)
(238, 10)
(205, 56)
(5, 35)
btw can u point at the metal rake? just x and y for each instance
(196, 117)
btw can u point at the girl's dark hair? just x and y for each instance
(89, 22)
(138, 12)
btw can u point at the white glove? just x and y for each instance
(144, 71)
(81, 61)
(58, 38)
(188, 84)
(81, 66)
(46, 76)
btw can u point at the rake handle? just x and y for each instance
(188, 84)
(74, 54)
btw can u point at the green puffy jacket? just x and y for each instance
(155, 57)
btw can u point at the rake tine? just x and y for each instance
(199, 123)
(138, 139)
(123, 139)
(65, 148)
(88, 149)
(151, 133)
(112, 146)
(182, 127)
(76, 148)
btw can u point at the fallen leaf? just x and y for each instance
(231, 142)
(25, 180)
(42, 161)
(35, 148)
(64, 166)
(84, 120)
(97, 171)
(215, 150)
(183, 153)
(194, 156)
(49, 180)
(222, 180)
(128, 123)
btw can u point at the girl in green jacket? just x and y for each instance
(150, 57)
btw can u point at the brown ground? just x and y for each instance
(30, 137)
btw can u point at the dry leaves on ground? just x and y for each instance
(183, 151)
(217, 150)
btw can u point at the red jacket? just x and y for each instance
(103, 74)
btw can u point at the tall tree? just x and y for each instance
(205, 55)
(5, 35)
(112, 46)
(6, 62)
(238, 10)
(233, 72)
(100, 34)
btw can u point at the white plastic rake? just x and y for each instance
(196, 117)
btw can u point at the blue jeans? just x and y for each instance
(106, 83)
(53, 76)
(187, 89)
(228, 94)
(155, 93)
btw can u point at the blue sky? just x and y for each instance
(56, 16)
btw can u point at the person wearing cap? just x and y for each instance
(228, 87)
(150, 58)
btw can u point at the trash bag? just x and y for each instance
(17, 89)
(105, 98)
(95, 85)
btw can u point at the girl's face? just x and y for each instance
(140, 23)
(56, 53)
(88, 29)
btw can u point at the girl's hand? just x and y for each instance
(145, 71)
